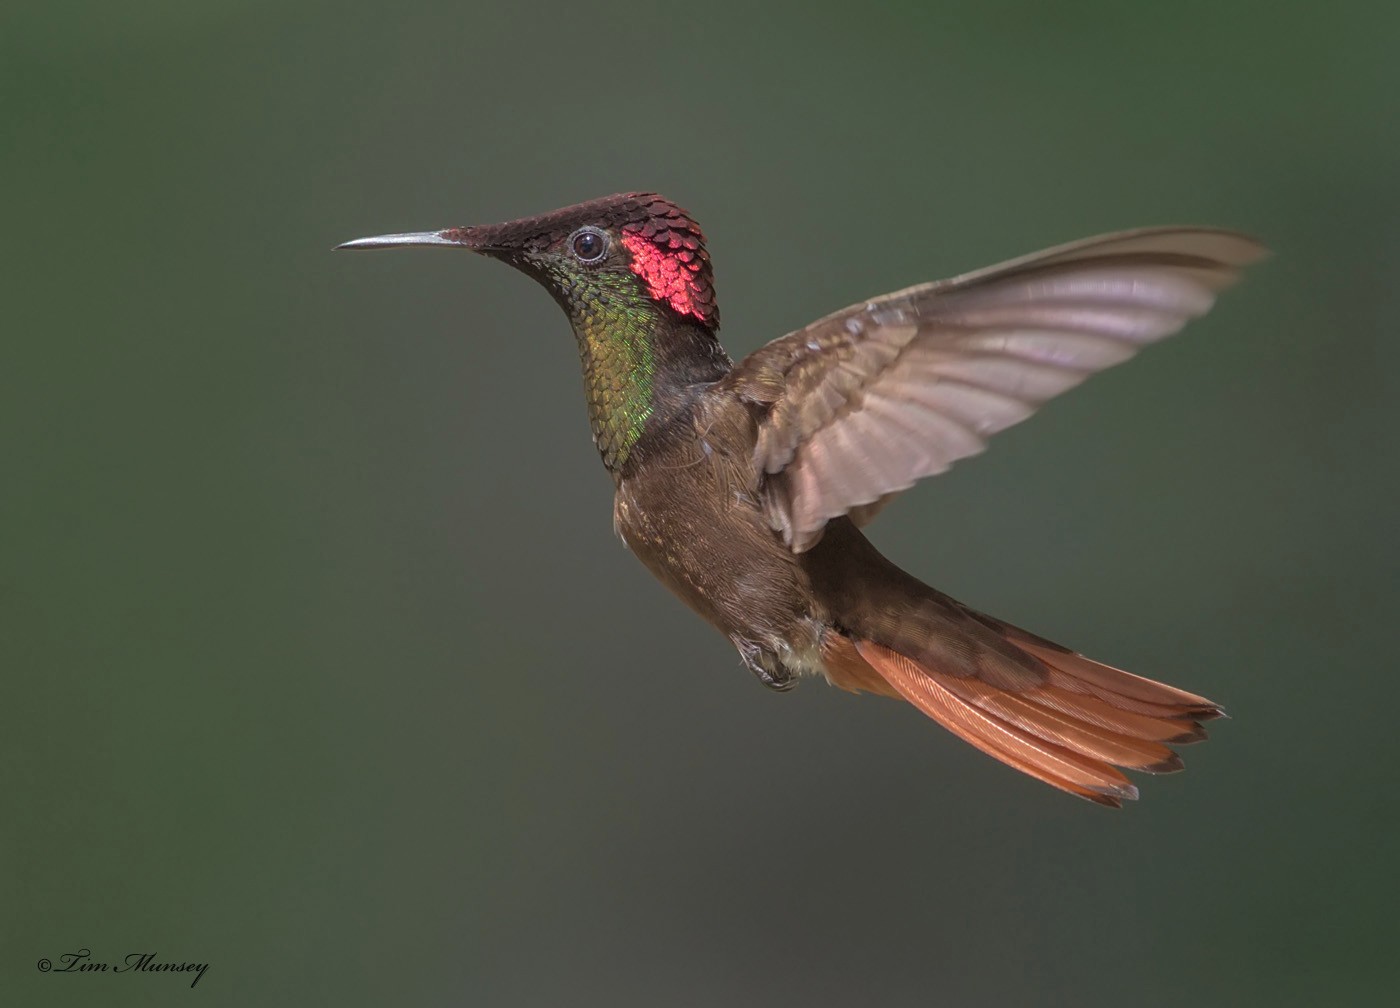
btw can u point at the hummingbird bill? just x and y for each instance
(743, 487)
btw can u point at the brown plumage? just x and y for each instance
(744, 485)
(860, 404)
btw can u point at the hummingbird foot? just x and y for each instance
(763, 665)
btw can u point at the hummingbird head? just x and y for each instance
(632, 273)
(628, 250)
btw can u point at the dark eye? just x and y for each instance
(590, 246)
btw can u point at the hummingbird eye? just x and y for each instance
(590, 245)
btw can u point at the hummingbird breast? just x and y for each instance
(689, 510)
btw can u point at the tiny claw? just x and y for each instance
(779, 683)
(778, 679)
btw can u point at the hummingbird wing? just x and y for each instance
(860, 404)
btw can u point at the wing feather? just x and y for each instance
(861, 404)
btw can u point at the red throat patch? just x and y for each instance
(669, 255)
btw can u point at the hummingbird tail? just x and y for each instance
(1053, 714)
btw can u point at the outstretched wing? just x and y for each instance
(860, 404)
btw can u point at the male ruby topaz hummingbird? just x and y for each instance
(743, 487)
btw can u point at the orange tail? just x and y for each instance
(1069, 726)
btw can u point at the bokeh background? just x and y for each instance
(321, 661)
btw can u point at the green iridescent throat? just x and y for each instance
(615, 323)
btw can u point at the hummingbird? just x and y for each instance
(743, 487)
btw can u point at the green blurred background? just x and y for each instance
(323, 665)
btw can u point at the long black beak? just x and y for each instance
(456, 237)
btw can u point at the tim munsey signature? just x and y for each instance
(81, 961)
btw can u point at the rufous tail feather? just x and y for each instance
(1072, 730)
